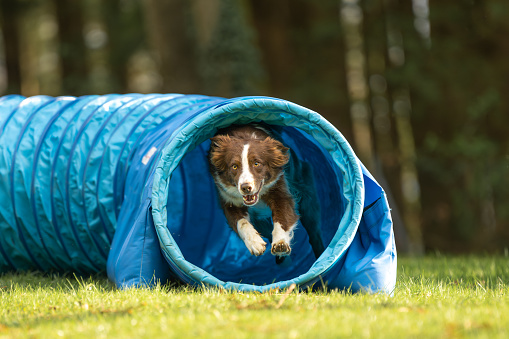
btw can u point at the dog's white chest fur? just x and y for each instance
(230, 194)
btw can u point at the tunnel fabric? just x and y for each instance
(120, 182)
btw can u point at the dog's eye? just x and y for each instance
(256, 164)
(234, 167)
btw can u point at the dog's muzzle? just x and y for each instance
(250, 199)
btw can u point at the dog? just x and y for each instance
(251, 169)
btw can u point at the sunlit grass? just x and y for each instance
(434, 297)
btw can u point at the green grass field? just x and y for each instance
(435, 296)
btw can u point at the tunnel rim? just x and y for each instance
(201, 126)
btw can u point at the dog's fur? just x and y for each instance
(248, 167)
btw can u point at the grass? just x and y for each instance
(435, 297)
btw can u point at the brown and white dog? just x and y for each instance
(247, 165)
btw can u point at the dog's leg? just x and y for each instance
(285, 219)
(250, 236)
(281, 240)
(238, 219)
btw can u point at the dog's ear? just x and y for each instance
(278, 153)
(218, 149)
(219, 141)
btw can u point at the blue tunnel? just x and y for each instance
(120, 183)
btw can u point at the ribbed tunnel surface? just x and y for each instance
(121, 181)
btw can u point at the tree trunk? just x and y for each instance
(168, 28)
(352, 23)
(383, 124)
(399, 24)
(10, 13)
(123, 22)
(272, 21)
(73, 53)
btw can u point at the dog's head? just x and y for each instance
(243, 167)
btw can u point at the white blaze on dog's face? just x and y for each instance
(247, 182)
(244, 165)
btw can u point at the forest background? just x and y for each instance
(419, 89)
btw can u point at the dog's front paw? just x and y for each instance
(256, 245)
(281, 248)
(281, 240)
(251, 238)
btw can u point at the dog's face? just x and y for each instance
(243, 168)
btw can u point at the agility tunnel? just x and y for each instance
(121, 183)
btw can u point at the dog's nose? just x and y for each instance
(246, 188)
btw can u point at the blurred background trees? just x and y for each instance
(420, 90)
